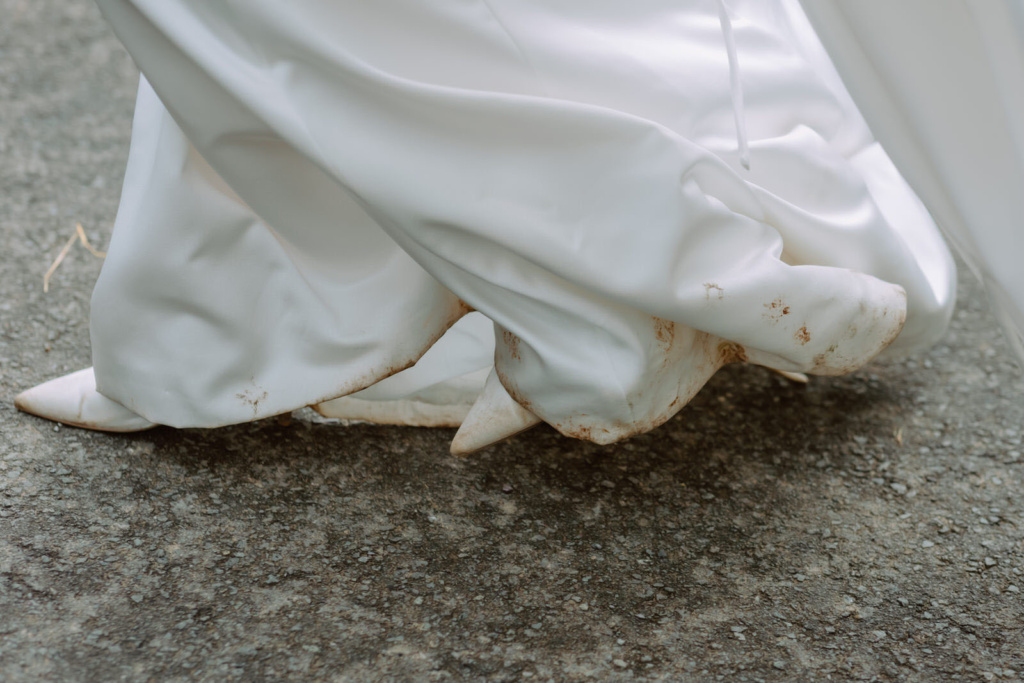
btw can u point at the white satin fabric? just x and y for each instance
(942, 84)
(319, 189)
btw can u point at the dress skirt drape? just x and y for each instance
(318, 190)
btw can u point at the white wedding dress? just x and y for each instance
(566, 211)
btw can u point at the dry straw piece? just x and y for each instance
(80, 236)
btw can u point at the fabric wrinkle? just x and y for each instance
(735, 85)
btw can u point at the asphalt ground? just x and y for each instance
(866, 527)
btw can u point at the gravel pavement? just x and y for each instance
(866, 527)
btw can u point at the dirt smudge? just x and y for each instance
(802, 335)
(710, 287)
(253, 398)
(512, 344)
(664, 331)
(775, 310)
(598, 435)
(731, 352)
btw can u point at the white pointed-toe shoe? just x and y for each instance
(73, 400)
(495, 416)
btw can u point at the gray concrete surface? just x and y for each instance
(867, 527)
